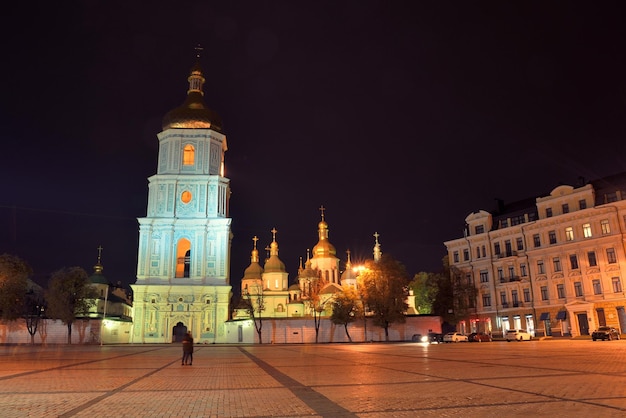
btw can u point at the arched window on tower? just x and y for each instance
(183, 257)
(189, 154)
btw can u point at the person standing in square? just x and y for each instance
(187, 349)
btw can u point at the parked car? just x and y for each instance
(432, 337)
(605, 333)
(435, 337)
(518, 335)
(455, 337)
(419, 338)
(479, 337)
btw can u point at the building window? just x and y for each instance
(611, 258)
(556, 261)
(536, 240)
(565, 208)
(587, 231)
(484, 276)
(591, 256)
(469, 279)
(552, 237)
(188, 154)
(514, 298)
(569, 234)
(617, 285)
(520, 244)
(522, 270)
(606, 228)
(487, 300)
(477, 252)
(573, 261)
(548, 212)
(479, 229)
(560, 291)
(500, 275)
(511, 272)
(507, 248)
(597, 288)
(496, 248)
(611, 197)
(578, 289)
(540, 267)
(484, 251)
(544, 292)
(455, 256)
(582, 204)
(465, 254)
(503, 299)
(526, 295)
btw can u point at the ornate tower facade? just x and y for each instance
(185, 239)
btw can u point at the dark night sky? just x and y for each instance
(399, 117)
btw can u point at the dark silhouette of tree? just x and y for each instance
(69, 296)
(34, 308)
(456, 295)
(317, 303)
(384, 286)
(14, 273)
(253, 301)
(347, 308)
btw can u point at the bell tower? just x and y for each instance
(185, 239)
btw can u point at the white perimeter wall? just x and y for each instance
(302, 330)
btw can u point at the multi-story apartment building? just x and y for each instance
(554, 264)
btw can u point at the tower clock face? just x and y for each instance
(185, 197)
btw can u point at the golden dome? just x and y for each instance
(193, 113)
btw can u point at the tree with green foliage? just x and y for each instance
(347, 308)
(384, 285)
(425, 288)
(14, 274)
(69, 296)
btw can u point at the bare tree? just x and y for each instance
(34, 307)
(69, 296)
(384, 287)
(253, 301)
(346, 309)
(317, 302)
(14, 273)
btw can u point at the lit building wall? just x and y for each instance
(553, 265)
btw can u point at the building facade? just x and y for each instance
(185, 239)
(554, 264)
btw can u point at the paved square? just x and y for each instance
(569, 378)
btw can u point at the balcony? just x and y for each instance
(507, 254)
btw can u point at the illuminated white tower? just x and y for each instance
(185, 239)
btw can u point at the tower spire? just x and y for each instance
(98, 267)
(377, 252)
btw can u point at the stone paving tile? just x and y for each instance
(63, 380)
(369, 398)
(42, 404)
(207, 403)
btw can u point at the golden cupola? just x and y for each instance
(274, 264)
(323, 248)
(193, 113)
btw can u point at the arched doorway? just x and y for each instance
(178, 332)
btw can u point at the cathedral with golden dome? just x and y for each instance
(321, 271)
